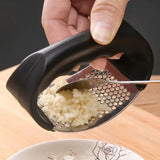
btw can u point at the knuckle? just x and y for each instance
(46, 23)
(108, 7)
(43, 21)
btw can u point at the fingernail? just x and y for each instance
(115, 57)
(100, 68)
(102, 32)
(99, 64)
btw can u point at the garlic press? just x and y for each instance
(38, 70)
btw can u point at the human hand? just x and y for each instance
(64, 18)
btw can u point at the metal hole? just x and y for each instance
(115, 92)
(102, 91)
(107, 101)
(106, 112)
(118, 95)
(87, 75)
(118, 84)
(96, 74)
(106, 84)
(124, 90)
(104, 98)
(113, 107)
(94, 89)
(114, 96)
(97, 92)
(113, 85)
(117, 88)
(112, 77)
(95, 77)
(104, 87)
(110, 93)
(100, 76)
(104, 76)
(120, 91)
(121, 99)
(128, 94)
(109, 86)
(117, 99)
(123, 94)
(121, 87)
(112, 100)
(126, 98)
(120, 103)
(112, 89)
(102, 102)
(108, 97)
(108, 75)
(101, 95)
(99, 87)
(107, 90)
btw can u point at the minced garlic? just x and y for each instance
(71, 108)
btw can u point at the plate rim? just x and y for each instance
(62, 140)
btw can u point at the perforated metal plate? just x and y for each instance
(111, 94)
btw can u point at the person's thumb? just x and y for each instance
(106, 17)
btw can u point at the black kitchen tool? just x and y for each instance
(38, 70)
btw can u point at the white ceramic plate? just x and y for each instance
(75, 149)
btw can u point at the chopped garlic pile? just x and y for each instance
(71, 108)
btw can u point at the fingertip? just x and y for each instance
(102, 32)
(99, 63)
(106, 17)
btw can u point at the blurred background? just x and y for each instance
(21, 32)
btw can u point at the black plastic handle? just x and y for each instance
(38, 70)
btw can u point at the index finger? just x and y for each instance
(54, 19)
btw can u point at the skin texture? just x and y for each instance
(64, 18)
